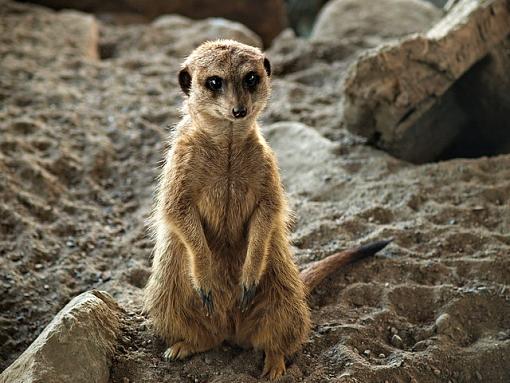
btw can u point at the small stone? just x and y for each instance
(367, 352)
(46, 287)
(437, 372)
(381, 355)
(397, 341)
(393, 331)
(421, 345)
(38, 266)
(125, 380)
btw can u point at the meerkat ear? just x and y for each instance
(267, 66)
(185, 81)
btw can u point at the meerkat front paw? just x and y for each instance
(202, 285)
(247, 295)
(274, 366)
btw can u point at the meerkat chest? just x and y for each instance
(228, 195)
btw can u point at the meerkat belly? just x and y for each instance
(225, 206)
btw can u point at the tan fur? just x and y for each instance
(221, 222)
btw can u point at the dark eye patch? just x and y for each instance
(251, 80)
(214, 83)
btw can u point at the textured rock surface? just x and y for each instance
(398, 94)
(80, 148)
(375, 20)
(266, 17)
(174, 36)
(76, 346)
(69, 33)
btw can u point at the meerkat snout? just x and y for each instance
(239, 112)
(226, 80)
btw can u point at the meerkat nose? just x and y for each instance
(239, 112)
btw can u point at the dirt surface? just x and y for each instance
(80, 146)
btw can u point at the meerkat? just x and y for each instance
(223, 269)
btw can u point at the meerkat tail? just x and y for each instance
(316, 272)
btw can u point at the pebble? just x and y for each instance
(437, 372)
(421, 345)
(397, 341)
(38, 266)
(381, 355)
(393, 331)
(367, 352)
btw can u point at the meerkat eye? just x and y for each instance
(214, 83)
(251, 79)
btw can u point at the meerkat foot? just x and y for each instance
(274, 365)
(181, 350)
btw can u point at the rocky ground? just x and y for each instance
(82, 137)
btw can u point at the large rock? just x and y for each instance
(183, 34)
(266, 17)
(75, 347)
(400, 96)
(172, 36)
(376, 20)
(303, 155)
(69, 33)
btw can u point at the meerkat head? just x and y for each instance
(226, 80)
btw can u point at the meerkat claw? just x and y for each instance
(247, 297)
(207, 301)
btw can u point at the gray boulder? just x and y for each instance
(373, 20)
(174, 36)
(75, 347)
(304, 156)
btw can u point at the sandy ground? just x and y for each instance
(80, 145)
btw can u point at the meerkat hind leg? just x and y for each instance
(274, 365)
(183, 349)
